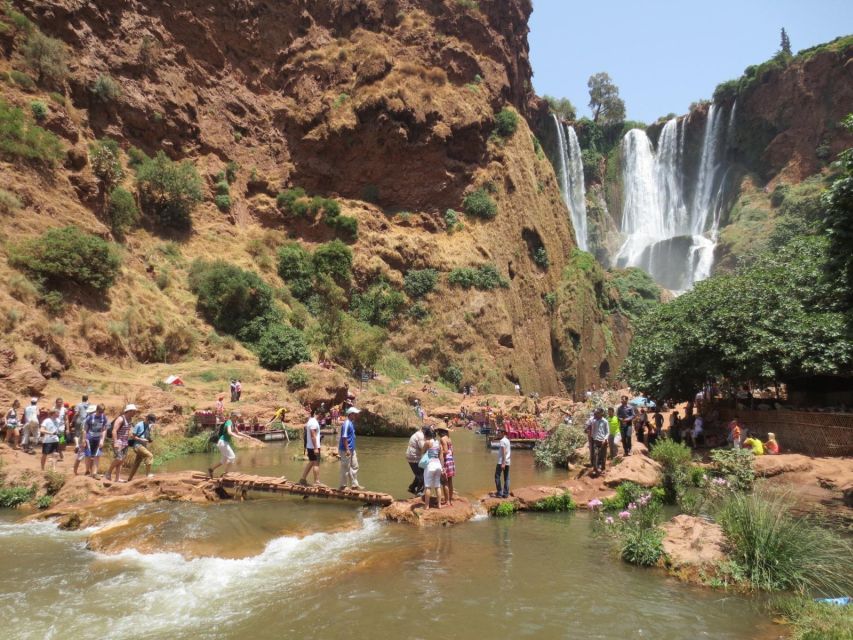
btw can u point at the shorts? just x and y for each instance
(119, 452)
(432, 476)
(49, 447)
(314, 456)
(93, 449)
(226, 452)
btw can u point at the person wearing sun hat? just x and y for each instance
(346, 449)
(121, 433)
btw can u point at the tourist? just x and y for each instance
(675, 427)
(447, 462)
(227, 433)
(625, 413)
(433, 471)
(517, 389)
(755, 445)
(238, 389)
(233, 388)
(735, 434)
(771, 447)
(94, 432)
(642, 424)
(62, 423)
(121, 435)
(599, 433)
(80, 441)
(588, 431)
(219, 410)
(81, 410)
(140, 440)
(414, 451)
(13, 425)
(312, 428)
(502, 467)
(346, 449)
(697, 436)
(613, 431)
(49, 432)
(31, 426)
(656, 429)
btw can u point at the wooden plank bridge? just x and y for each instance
(243, 483)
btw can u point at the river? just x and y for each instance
(285, 567)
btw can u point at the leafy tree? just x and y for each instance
(46, 57)
(785, 43)
(506, 122)
(296, 269)
(419, 282)
(106, 89)
(104, 159)
(453, 375)
(563, 107)
(480, 204)
(334, 259)
(378, 305)
(122, 211)
(281, 346)
(604, 99)
(67, 254)
(169, 191)
(838, 220)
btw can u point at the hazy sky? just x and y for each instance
(663, 55)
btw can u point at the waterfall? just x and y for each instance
(570, 166)
(672, 240)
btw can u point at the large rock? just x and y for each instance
(693, 542)
(769, 466)
(413, 512)
(637, 468)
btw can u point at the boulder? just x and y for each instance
(693, 542)
(413, 512)
(769, 466)
(637, 468)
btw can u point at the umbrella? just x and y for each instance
(640, 401)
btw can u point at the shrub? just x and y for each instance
(39, 110)
(297, 379)
(503, 509)
(642, 547)
(419, 282)
(592, 166)
(169, 191)
(20, 139)
(136, 157)
(104, 156)
(736, 466)
(815, 620)
(9, 202)
(780, 550)
(506, 122)
(453, 375)
(231, 171)
(44, 502)
(550, 300)
(11, 497)
(286, 199)
(223, 202)
(296, 269)
(629, 492)
(67, 253)
(451, 219)
(122, 211)
(281, 347)
(558, 449)
(479, 204)
(378, 305)
(675, 460)
(419, 311)
(106, 89)
(53, 302)
(58, 98)
(484, 278)
(636, 292)
(22, 80)
(334, 259)
(540, 257)
(347, 226)
(558, 503)
(222, 187)
(231, 298)
(46, 57)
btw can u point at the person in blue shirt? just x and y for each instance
(346, 449)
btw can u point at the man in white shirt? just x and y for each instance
(49, 431)
(502, 467)
(416, 448)
(31, 426)
(312, 444)
(61, 422)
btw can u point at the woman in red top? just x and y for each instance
(771, 446)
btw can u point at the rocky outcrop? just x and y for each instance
(692, 543)
(413, 512)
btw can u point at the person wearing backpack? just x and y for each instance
(227, 433)
(140, 440)
(95, 432)
(119, 432)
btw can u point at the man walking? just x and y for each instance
(49, 431)
(346, 449)
(600, 431)
(625, 413)
(61, 420)
(140, 440)
(417, 445)
(312, 443)
(80, 413)
(502, 467)
(613, 431)
(31, 426)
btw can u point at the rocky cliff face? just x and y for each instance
(387, 105)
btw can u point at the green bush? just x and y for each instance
(480, 204)
(136, 157)
(44, 502)
(558, 449)
(53, 302)
(335, 260)
(591, 166)
(286, 200)
(558, 503)
(22, 80)
(419, 282)
(104, 157)
(347, 226)
(46, 57)
(811, 620)
(231, 171)
(230, 298)
(169, 191)
(39, 110)
(452, 374)
(484, 278)
(223, 203)
(778, 549)
(11, 497)
(419, 311)
(629, 492)
(643, 547)
(106, 89)
(67, 253)
(21, 140)
(451, 219)
(506, 122)
(296, 268)
(281, 347)
(122, 211)
(503, 509)
(540, 257)
(297, 379)
(378, 305)
(736, 466)
(636, 292)
(675, 459)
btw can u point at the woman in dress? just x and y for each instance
(447, 462)
(13, 425)
(432, 473)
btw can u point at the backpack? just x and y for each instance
(110, 428)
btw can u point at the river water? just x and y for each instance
(286, 567)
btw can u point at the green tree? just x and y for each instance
(169, 191)
(785, 43)
(334, 259)
(419, 282)
(604, 99)
(378, 305)
(46, 57)
(837, 202)
(563, 107)
(296, 269)
(280, 347)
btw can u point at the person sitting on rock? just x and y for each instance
(771, 447)
(755, 445)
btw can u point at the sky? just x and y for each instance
(662, 54)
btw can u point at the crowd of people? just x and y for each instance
(86, 427)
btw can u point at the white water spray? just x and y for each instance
(571, 179)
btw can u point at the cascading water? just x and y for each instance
(670, 239)
(571, 178)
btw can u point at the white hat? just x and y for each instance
(91, 408)
(33, 400)
(352, 410)
(130, 407)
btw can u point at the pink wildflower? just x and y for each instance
(632, 506)
(608, 520)
(624, 515)
(594, 503)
